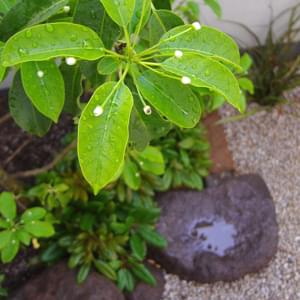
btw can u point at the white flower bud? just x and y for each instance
(147, 110)
(186, 80)
(67, 9)
(71, 61)
(40, 74)
(98, 111)
(178, 54)
(197, 25)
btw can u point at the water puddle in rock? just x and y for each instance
(214, 235)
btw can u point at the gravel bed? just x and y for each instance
(267, 143)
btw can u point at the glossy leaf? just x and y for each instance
(105, 269)
(45, 41)
(91, 13)
(151, 236)
(138, 247)
(131, 175)
(247, 85)
(8, 208)
(215, 7)
(120, 11)
(141, 14)
(162, 4)
(10, 251)
(205, 72)
(108, 65)
(39, 228)
(171, 98)
(89, 71)
(6, 5)
(205, 41)
(47, 92)
(5, 238)
(152, 160)
(142, 273)
(27, 13)
(33, 214)
(23, 111)
(159, 24)
(24, 237)
(73, 88)
(2, 68)
(102, 140)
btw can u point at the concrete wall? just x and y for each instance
(256, 14)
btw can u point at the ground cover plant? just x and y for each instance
(148, 78)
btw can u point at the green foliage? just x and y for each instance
(142, 66)
(276, 64)
(17, 230)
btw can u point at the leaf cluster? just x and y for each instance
(141, 64)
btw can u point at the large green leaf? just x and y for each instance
(5, 6)
(102, 139)
(131, 175)
(160, 23)
(47, 91)
(120, 11)
(141, 15)
(8, 208)
(206, 41)
(206, 72)
(171, 98)
(5, 238)
(33, 214)
(39, 228)
(27, 13)
(9, 252)
(23, 111)
(91, 13)
(42, 42)
(73, 88)
(2, 69)
(162, 4)
(215, 6)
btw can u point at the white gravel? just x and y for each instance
(267, 143)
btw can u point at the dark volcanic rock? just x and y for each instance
(59, 283)
(222, 233)
(146, 292)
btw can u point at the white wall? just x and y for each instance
(256, 14)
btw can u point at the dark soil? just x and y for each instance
(38, 151)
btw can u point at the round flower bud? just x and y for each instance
(147, 110)
(98, 111)
(197, 25)
(178, 53)
(71, 61)
(186, 80)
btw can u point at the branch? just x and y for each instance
(4, 118)
(51, 165)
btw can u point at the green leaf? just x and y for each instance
(23, 111)
(27, 13)
(152, 160)
(89, 71)
(6, 5)
(24, 237)
(120, 11)
(138, 247)
(125, 280)
(8, 208)
(98, 20)
(215, 7)
(205, 72)
(45, 41)
(39, 228)
(131, 175)
(108, 65)
(100, 156)
(87, 221)
(44, 85)
(141, 14)
(105, 269)
(2, 69)
(171, 98)
(83, 273)
(53, 253)
(151, 236)
(246, 85)
(205, 42)
(246, 62)
(33, 214)
(141, 272)
(73, 88)
(5, 238)
(145, 214)
(162, 4)
(4, 224)
(10, 251)
(159, 24)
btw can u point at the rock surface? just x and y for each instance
(59, 283)
(146, 292)
(220, 234)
